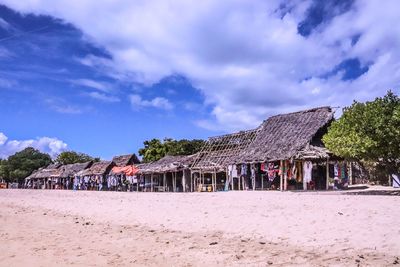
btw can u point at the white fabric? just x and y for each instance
(396, 181)
(307, 171)
(234, 172)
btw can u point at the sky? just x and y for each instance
(101, 77)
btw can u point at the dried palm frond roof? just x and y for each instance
(50, 171)
(220, 151)
(283, 136)
(70, 170)
(97, 168)
(125, 160)
(277, 138)
(166, 164)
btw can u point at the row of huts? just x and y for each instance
(284, 153)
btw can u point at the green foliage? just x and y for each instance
(368, 131)
(71, 157)
(22, 164)
(155, 149)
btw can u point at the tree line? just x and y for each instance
(368, 132)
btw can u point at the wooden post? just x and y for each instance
(165, 181)
(174, 181)
(327, 173)
(285, 170)
(183, 180)
(191, 181)
(137, 183)
(281, 176)
(350, 173)
(151, 182)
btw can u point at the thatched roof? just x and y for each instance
(50, 171)
(166, 164)
(279, 137)
(125, 160)
(70, 170)
(283, 136)
(98, 168)
(220, 151)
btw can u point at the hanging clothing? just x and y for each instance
(244, 170)
(234, 171)
(336, 170)
(263, 169)
(307, 171)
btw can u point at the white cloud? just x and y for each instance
(92, 84)
(52, 146)
(4, 24)
(158, 102)
(246, 58)
(104, 97)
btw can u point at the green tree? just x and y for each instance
(155, 149)
(369, 131)
(23, 163)
(71, 157)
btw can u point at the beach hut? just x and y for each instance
(125, 160)
(170, 173)
(44, 178)
(68, 172)
(284, 152)
(94, 177)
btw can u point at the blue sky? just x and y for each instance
(101, 78)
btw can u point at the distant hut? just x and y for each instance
(94, 177)
(122, 175)
(125, 160)
(285, 152)
(69, 171)
(44, 178)
(170, 173)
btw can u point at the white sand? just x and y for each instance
(47, 228)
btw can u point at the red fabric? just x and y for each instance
(128, 170)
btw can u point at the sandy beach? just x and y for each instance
(81, 228)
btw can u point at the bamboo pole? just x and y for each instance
(151, 182)
(350, 173)
(281, 176)
(191, 181)
(183, 180)
(285, 170)
(165, 181)
(327, 174)
(174, 181)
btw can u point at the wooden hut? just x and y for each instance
(68, 172)
(93, 178)
(44, 178)
(171, 173)
(125, 160)
(271, 156)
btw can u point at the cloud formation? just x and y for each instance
(159, 102)
(247, 57)
(52, 146)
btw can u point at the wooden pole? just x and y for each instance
(350, 173)
(281, 176)
(151, 182)
(183, 180)
(174, 181)
(165, 181)
(285, 170)
(327, 174)
(191, 181)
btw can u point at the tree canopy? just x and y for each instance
(22, 164)
(71, 157)
(368, 131)
(155, 149)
